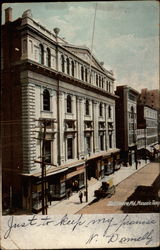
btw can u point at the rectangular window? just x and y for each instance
(88, 144)
(47, 150)
(101, 142)
(70, 148)
(110, 141)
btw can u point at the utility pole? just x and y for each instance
(43, 166)
(44, 124)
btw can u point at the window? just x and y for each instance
(48, 57)
(70, 148)
(72, 68)
(100, 109)
(82, 73)
(47, 151)
(87, 107)
(62, 63)
(46, 100)
(102, 142)
(86, 75)
(41, 54)
(69, 104)
(100, 82)
(88, 144)
(132, 112)
(109, 112)
(110, 140)
(68, 64)
(97, 80)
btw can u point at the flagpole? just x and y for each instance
(94, 21)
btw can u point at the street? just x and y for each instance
(137, 193)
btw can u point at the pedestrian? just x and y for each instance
(80, 196)
(136, 165)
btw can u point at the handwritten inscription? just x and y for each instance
(111, 230)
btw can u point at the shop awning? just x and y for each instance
(52, 170)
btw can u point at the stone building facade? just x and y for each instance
(58, 110)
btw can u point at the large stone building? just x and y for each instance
(58, 114)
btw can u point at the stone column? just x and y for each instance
(61, 151)
(95, 122)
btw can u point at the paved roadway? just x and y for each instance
(137, 193)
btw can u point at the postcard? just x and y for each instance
(80, 123)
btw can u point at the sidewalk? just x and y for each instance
(73, 205)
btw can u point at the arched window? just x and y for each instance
(48, 57)
(72, 68)
(62, 63)
(82, 73)
(41, 54)
(100, 109)
(69, 104)
(109, 112)
(68, 69)
(86, 75)
(46, 100)
(87, 107)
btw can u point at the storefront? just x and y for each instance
(108, 165)
(75, 178)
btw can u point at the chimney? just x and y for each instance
(8, 15)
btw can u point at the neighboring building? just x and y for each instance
(126, 122)
(151, 98)
(147, 132)
(57, 107)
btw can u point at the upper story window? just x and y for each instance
(96, 79)
(109, 112)
(69, 104)
(68, 64)
(87, 107)
(62, 63)
(86, 75)
(72, 68)
(100, 109)
(82, 73)
(41, 54)
(46, 100)
(100, 82)
(48, 57)
(132, 112)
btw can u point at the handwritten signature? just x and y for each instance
(112, 230)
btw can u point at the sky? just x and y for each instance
(126, 34)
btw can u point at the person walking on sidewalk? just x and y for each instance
(80, 196)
